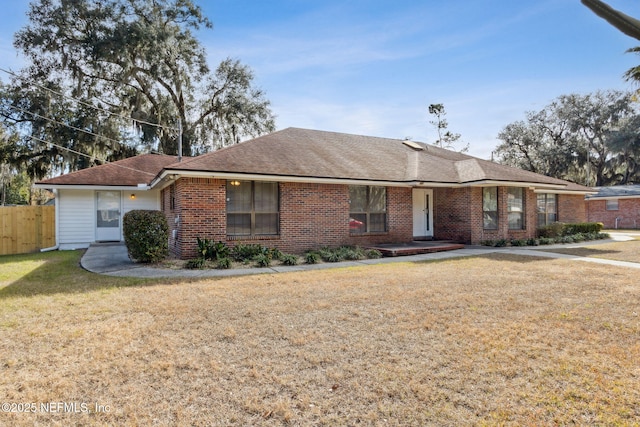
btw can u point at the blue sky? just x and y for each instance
(373, 67)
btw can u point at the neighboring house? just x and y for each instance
(616, 207)
(298, 189)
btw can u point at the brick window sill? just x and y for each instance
(270, 237)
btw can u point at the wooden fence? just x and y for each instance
(25, 229)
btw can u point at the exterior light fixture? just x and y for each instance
(235, 183)
(132, 196)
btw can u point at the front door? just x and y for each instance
(422, 214)
(108, 216)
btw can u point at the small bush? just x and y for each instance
(276, 254)
(224, 263)
(553, 230)
(374, 254)
(194, 264)
(311, 258)
(146, 234)
(533, 242)
(518, 242)
(583, 227)
(500, 243)
(289, 259)
(262, 260)
(244, 253)
(350, 253)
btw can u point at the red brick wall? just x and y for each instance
(452, 214)
(458, 216)
(571, 208)
(628, 213)
(316, 215)
(199, 212)
(311, 216)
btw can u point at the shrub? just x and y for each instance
(244, 253)
(583, 227)
(311, 258)
(276, 254)
(500, 243)
(518, 242)
(533, 242)
(146, 235)
(350, 253)
(224, 263)
(262, 260)
(208, 249)
(195, 263)
(289, 259)
(546, 240)
(373, 254)
(552, 230)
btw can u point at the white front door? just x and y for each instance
(108, 216)
(422, 213)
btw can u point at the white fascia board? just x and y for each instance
(637, 196)
(574, 192)
(536, 186)
(93, 187)
(169, 176)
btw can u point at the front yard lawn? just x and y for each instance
(618, 251)
(494, 340)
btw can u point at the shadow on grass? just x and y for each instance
(55, 273)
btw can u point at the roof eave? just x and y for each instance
(139, 187)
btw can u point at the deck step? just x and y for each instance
(415, 248)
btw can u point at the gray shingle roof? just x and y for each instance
(312, 154)
(617, 191)
(305, 153)
(141, 169)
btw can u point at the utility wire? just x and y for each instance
(85, 103)
(103, 161)
(65, 124)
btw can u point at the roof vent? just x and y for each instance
(413, 145)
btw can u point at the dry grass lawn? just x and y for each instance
(497, 340)
(619, 251)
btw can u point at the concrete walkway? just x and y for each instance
(112, 259)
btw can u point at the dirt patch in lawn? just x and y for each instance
(489, 340)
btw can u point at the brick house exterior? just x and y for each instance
(299, 189)
(615, 207)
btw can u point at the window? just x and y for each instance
(490, 208)
(547, 209)
(252, 208)
(515, 208)
(612, 205)
(368, 211)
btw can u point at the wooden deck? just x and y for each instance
(415, 248)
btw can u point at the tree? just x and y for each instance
(589, 139)
(623, 22)
(139, 59)
(446, 139)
